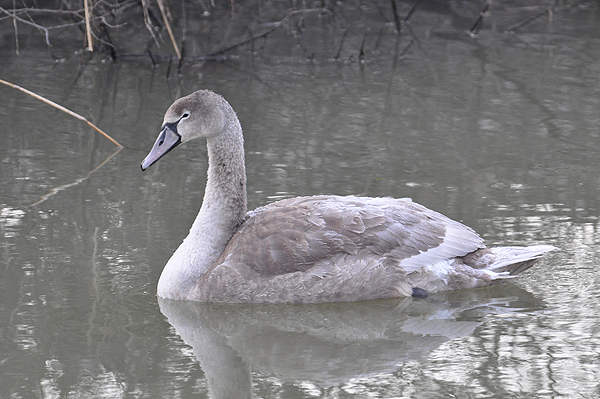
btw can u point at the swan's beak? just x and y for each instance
(166, 141)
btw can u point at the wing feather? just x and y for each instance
(295, 235)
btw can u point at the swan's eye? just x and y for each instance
(185, 115)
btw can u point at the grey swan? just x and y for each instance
(323, 248)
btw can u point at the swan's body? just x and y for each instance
(312, 249)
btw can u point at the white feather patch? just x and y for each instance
(459, 240)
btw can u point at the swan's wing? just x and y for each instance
(300, 233)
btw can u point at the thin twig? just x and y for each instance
(217, 57)
(60, 107)
(169, 66)
(479, 22)
(26, 22)
(183, 35)
(152, 58)
(163, 11)
(29, 10)
(308, 11)
(378, 40)
(148, 20)
(413, 8)
(45, 29)
(528, 20)
(339, 51)
(224, 50)
(16, 26)
(361, 53)
(417, 41)
(408, 46)
(396, 15)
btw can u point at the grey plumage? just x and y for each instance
(312, 249)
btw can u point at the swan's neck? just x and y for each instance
(223, 209)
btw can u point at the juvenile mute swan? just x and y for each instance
(311, 249)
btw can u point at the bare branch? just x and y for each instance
(26, 22)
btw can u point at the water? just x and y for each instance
(499, 131)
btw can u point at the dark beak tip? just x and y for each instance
(147, 162)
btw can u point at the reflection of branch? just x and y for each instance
(396, 15)
(56, 190)
(479, 21)
(412, 10)
(520, 24)
(60, 107)
(96, 289)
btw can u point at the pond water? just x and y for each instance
(500, 130)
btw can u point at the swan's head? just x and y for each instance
(201, 114)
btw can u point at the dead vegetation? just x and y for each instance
(163, 30)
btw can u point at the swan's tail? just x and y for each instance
(509, 261)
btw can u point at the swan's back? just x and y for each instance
(331, 248)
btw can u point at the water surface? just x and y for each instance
(500, 131)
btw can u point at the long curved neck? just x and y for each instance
(223, 210)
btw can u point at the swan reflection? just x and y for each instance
(328, 343)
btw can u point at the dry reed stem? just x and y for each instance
(88, 25)
(163, 11)
(60, 107)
